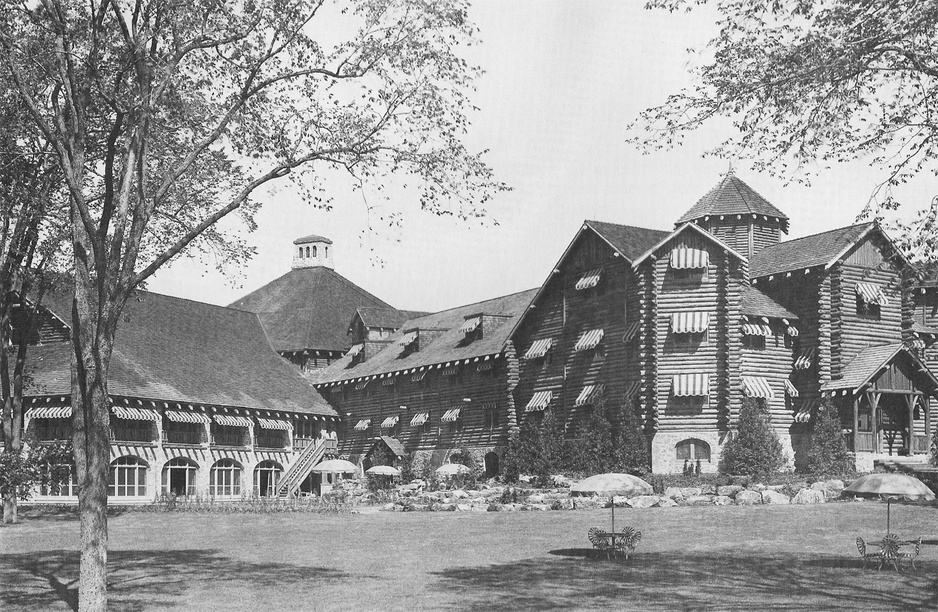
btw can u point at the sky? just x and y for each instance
(562, 82)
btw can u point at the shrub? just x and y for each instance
(755, 450)
(522, 453)
(828, 455)
(612, 441)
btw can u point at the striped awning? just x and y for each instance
(871, 294)
(48, 412)
(449, 371)
(419, 419)
(418, 376)
(690, 322)
(805, 358)
(807, 410)
(187, 417)
(135, 414)
(588, 340)
(539, 348)
(230, 420)
(683, 385)
(791, 389)
(631, 331)
(355, 350)
(390, 422)
(451, 415)
(792, 331)
(471, 324)
(589, 280)
(917, 343)
(390, 380)
(757, 386)
(363, 425)
(485, 366)
(539, 401)
(362, 384)
(588, 394)
(632, 389)
(757, 329)
(408, 339)
(274, 424)
(688, 258)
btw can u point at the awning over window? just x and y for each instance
(792, 331)
(231, 420)
(274, 424)
(791, 389)
(187, 417)
(539, 348)
(588, 340)
(390, 422)
(806, 412)
(633, 388)
(539, 401)
(408, 339)
(419, 419)
(451, 415)
(757, 386)
(362, 384)
(485, 366)
(449, 371)
(418, 376)
(690, 322)
(363, 425)
(757, 329)
(917, 343)
(685, 385)
(589, 280)
(631, 331)
(471, 324)
(48, 412)
(390, 380)
(589, 394)
(355, 350)
(871, 294)
(135, 414)
(805, 358)
(686, 258)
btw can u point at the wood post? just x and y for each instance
(873, 398)
(910, 401)
(856, 420)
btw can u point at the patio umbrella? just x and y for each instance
(340, 466)
(450, 469)
(383, 470)
(613, 484)
(891, 485)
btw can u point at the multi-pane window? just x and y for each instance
(127, 478)
(692, 450)
(59, 480)
(226, 435)
(225, 479)
(52, 429)
(132, 430)
(266, 477)
(179, 477)
(183, 433)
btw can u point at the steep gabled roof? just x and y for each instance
(687, 227)
(757, 303)
(732, 196)
(817, 250)
(628, 240)
(308, 308)
(869, 361)
(450, 346)
(175, 350)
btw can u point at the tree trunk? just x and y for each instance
(9, 509)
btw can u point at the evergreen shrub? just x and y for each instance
(829, 455)
(755, 450)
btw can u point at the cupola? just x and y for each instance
(311, 252)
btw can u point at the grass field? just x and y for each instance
(721, 558)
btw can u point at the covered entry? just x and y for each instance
(884, 401)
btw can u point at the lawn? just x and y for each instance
(723, 558)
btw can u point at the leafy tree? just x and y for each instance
(165, 117)
(21, 472)
(755, 450)
(596, 447)
(809, 84)
(523, 452)
(828, 455)
(631, 448)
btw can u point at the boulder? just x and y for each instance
(699, 500)
(459, 494)
(463, 507)
(808, 496)
(536, 498)
(474, 493)
(722, 500)
(674, 493)
(830, 488)
(509, 507)
(561, 481)
(389, 507)
(538, 507)
(447, 508)
(643, 501)
(748, 498)
(708, 489)
(620, 501)
(666, 502)
(729, 490)
(774, 497)
(691, 491)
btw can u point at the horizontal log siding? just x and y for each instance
(435, 393)
(738, 277)
(764, 234)
(774, 363)
(866, 264)
(545, 320)
(926, 313)
(733, 232)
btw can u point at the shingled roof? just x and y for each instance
(755, 302)
(630, 241)
(869, 361)
(309, 308)
(387, 318)
(175, 350)
(732, 196)
(450, 346)
(817, 250)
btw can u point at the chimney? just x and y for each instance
(312, 252)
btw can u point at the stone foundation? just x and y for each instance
(664, 450)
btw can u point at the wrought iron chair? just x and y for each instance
(911, 555)
(627, 541)
(868, 556)
(600, 541)
(889, 549)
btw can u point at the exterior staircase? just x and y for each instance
(304, 464)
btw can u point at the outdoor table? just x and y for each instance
(895, 554)
(612, 536)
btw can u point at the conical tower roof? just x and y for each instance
(732, 196)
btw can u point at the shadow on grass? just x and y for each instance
(140, 579)
(574, 578)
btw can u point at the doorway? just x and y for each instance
(894, 424)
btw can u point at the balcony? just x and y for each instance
(132, 434)
(182, 436)
(272, 439)
(233, 438)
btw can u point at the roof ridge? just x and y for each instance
(815, 235)
(454, 308)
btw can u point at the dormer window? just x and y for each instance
(410, 340)
(472, 327)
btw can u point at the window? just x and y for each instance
(59, 480)
(225, 479)
(689, 341)
(271, 438)
(266, 477)
(754, 342)
(52, 429)
(127, 478)
(225, 435)
(179, 477)
(307, 251)
(132, 430)
(314, 252)
(301, 252)
(327, 252)
(868, 310)
(692, 450)
(175, 432)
